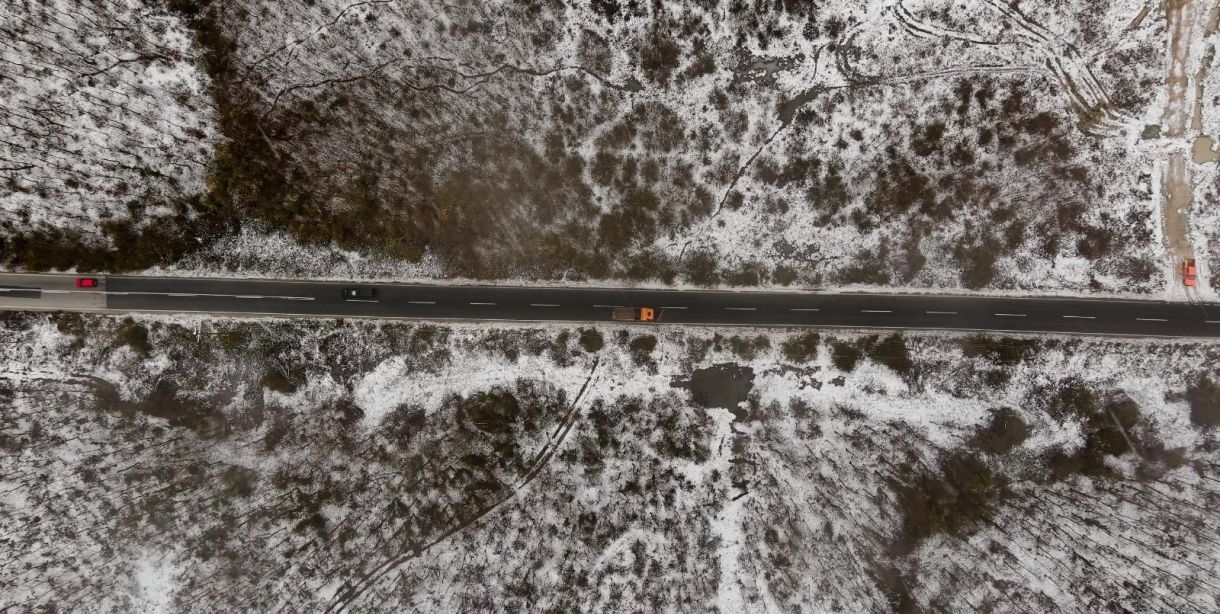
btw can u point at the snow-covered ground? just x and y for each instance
(229, 465)
(107, 115)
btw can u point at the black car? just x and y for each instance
(359, 294)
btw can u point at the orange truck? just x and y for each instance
(633, 314)
(1190, 273)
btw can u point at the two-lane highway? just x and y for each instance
(577, 304)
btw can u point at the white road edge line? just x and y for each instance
(1011, 315)
(942, 313)
(180, 294)
(1151, 320)
(421, 302)
(543, 305)
(803, 309)
(875, 311)
(741, 309)
(1081, 317)
(247, 296)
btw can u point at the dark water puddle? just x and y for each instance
(724, 385)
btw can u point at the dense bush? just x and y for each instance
(953, 499)
(641, 349)
(1005, 431)
(1109, 429)
(747, 348)
(134, 335)
(284, 381)
(591, 340)
(491, 412)
(1004, 351)
(801, 348)
(1204, 398)
(845, 355)
(893, 353)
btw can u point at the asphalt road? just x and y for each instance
(324, 299)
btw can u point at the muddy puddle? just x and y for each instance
(1203, 151)
(724, 385)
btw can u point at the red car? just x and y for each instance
(86, 282)
(1190, 273)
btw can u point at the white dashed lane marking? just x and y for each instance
(803, 309)
(1011, 315)
(204, 294)
(875, 311)
(674, 307)
(942, 313)
(1081, 317)
(543, 305)
(1151, 320)
(491, 304)
(741, 309)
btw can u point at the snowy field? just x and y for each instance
(228, 465)
(107, 115)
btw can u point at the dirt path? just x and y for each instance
(1176, 180)
(1175, 209)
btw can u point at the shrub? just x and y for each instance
(1003, 351)
(591, 340)
(845, 355)
(701, 268)
(70, 324)
(951, 500)
(1109, 430)
(1005, 431)
(641, 349)
(134, 335)
(746, 348)
(659, 56)
(238, 481)
(978, 262)
(492, 412)
(893, 353)
(233, 340)
(801, 348)
(284, 381)
(1204, 399)
(164, 401)
(784, 275)
(403, 423)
